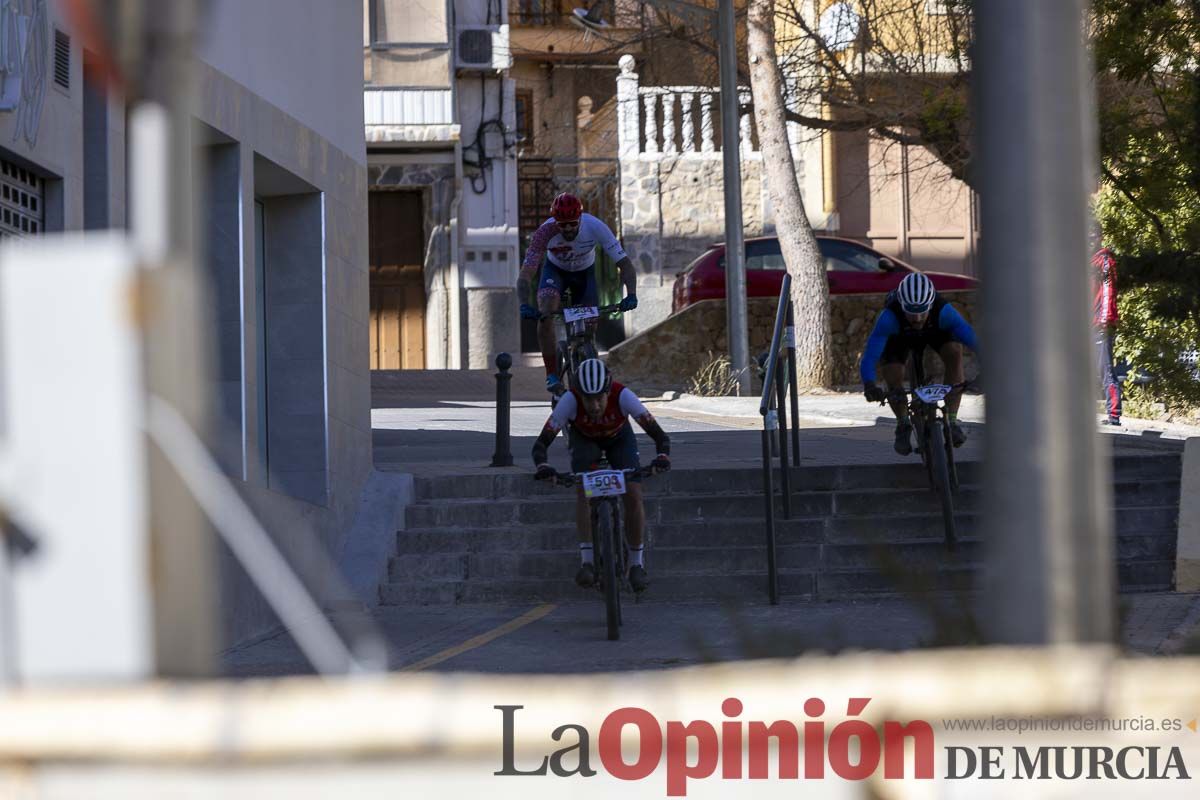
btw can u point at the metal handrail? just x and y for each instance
(776, 338)
(775, 380)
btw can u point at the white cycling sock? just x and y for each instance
(585, 553)
(635, 556)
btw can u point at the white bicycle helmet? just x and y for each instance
(916, 293)
(593, 377)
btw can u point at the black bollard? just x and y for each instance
(503, 455)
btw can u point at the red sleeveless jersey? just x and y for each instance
(609, 425)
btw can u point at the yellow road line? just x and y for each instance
(482, 639)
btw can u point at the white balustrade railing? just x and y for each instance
(680, 108)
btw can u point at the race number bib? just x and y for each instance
(580, 313)
(603, 483)
(933, 393)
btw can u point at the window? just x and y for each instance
(765, 255)
(937, 8)
(62, 59)
(525, 118)
(839, 256)
(761, 255)
(21, 207)
(847, 257)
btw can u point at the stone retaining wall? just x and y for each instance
(671, 352)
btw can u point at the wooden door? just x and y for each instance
(397, 280)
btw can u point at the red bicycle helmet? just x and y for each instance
(566, 208)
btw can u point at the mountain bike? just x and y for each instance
(576, 339)
(603, 487)
(935, 445)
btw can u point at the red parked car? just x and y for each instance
(852, 268)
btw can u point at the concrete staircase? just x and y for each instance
(854, 531)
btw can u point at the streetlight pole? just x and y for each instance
(735, 250)
(1049, 526)
(735, 246)
(183, 555)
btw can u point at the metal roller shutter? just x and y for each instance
(22, 206)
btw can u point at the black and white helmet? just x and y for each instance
(916, 293)
(593, 377)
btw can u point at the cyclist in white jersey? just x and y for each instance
(564, 248)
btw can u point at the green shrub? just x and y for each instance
(1153, 338)
(1158, 286)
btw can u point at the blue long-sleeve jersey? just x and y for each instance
(888, 325)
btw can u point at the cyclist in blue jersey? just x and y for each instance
(914, 317)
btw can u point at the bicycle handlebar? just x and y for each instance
(902, 394)
(568, 479)
(615, 308)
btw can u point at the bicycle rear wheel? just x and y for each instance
(582, 351)
(941, 478)
(606, 531)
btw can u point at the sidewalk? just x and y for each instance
(444, 422)
(569, 637)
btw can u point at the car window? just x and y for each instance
(839, 256)
(695, 263)
(765, 255)
(844, 256)
(762, 255)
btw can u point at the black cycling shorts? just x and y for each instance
(898, 347)
(621, 451)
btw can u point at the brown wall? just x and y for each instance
(904, 202)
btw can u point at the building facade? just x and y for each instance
(281, 229)
(62, 133)
(899, 198)
(278, 137)
(439, 122)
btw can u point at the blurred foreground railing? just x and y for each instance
(445, 733)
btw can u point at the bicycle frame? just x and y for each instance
(576, 329)
(610, 552)
(936, 448)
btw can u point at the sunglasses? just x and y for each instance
(569, 225)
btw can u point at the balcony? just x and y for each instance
(545, 30)
(420, 117)
(553, 13)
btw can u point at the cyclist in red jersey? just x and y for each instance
(563, 248)
(596, 414)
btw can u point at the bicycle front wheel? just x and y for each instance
(939, 467)
(606, 531)
(951, 467)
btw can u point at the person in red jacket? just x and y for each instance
(1104, 322)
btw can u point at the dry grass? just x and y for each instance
(716, 378)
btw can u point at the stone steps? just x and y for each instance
(736, 587)
(717, 481)
(853, 531)
(881, 555)
(700, 508)
(748, 531)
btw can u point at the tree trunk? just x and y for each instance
(810, 290)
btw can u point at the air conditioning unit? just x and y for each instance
(483, 47)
